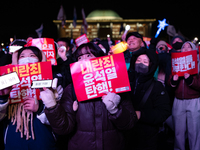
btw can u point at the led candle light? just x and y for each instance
(120, 47)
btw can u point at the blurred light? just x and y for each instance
(196, 39)
(2, 44)
(11, 40)
(127, 27)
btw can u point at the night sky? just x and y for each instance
(20, 18)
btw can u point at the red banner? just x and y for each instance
(47, 46)
(93, 77)
(27, 73)
(184, 62)
(81, 40)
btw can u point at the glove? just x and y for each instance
(189, 80)
(111, 100)
(48, 98)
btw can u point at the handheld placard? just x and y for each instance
(9, 80)
(41, 84)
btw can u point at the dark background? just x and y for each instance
(20, 18)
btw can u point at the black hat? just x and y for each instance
(136, 34)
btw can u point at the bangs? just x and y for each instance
(83, 51)
(88, 48)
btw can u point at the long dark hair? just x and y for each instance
(34, 49)
(91, 48)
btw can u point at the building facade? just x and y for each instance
(104, 22)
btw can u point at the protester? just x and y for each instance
(185, 111)
(176, 43)
(64, 61)
(164, 67)
(24, 130)
(110, 41)
(149, 98)
(99, 121)
(104, 46)
(135, 42)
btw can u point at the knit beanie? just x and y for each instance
(161, 43)
(177, 36)
(191, 44)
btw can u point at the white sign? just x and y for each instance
(9, 80)
(41, 83)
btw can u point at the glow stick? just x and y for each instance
(161, 26)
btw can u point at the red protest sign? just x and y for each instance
(47, 46)
(81, 40)
(103, 74)
(27, 73)
(184, 62)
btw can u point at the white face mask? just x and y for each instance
(27, 60)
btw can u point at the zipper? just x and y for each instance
(136, 82)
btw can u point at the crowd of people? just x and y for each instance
(131, 120)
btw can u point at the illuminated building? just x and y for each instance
(103, 22)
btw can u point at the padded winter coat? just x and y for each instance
(95, 127)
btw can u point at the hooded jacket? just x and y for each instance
(156, 109)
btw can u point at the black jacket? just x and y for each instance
(62, 71)
(156, 109)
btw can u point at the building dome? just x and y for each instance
(103, 15)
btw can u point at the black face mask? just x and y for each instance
(177, 45)
(141, 68)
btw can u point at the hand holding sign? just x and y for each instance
(47, 96)
(91, 78)
(111, 100)
(184, 62)
(31, 104)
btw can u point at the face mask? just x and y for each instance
(141, 68)
(177, 45)
(27, 60)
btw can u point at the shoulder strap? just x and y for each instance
(146, 95)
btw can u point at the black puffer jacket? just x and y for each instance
(155, 110)
(96, 128)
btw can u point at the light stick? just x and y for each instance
(161, 26)
(126, 29)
